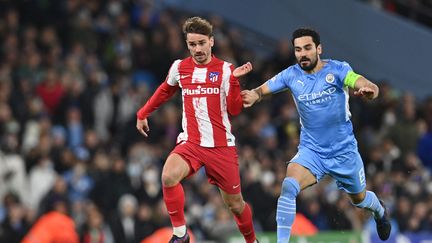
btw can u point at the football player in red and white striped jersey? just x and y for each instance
(210, 94)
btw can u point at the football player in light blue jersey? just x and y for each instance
(327, 143)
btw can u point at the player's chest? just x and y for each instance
(313, 83)
(200, 83)
(311, 87)
(200, 77)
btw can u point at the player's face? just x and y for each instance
(307, 54)
(200, 47)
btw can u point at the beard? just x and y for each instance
(311, 66)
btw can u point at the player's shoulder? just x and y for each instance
(183, 61)
(285, 75)
(217, 63)
(183, 64)
(291, 70)
(336, 63)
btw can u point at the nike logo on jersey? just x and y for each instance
(184, 76)
(234, 187)
(172, 212)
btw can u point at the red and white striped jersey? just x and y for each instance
(205, 89)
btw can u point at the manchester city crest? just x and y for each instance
(330, 78)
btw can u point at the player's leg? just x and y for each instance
(175, 169)
(369, 201)
(297, 178)
(348, 170)
(242, 214)
(222, 170)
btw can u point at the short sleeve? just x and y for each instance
(280, 81)
(343, 69)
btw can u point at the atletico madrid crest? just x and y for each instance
(214, 76)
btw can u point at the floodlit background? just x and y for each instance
(73, 73)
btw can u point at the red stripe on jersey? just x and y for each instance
(214, 106)
(186, 68)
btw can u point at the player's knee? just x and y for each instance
(290, 188)
(235, 205)
(357, 199)
(169, 179)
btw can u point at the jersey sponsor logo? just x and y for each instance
(330, 78)
(315, 95)
(214, 76)
(201, 90)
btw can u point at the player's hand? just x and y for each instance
(242, 70)
(143, 127)
(249, 97)
(366, 92)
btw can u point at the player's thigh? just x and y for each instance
(305, 167)
(301, 174)
(174, 170)
(348, 171)
(222, 168)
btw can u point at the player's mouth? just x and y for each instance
(304, 62)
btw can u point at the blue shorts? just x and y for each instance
(347, 169)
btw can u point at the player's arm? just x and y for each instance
(163, 93)
(234, 99)
(250, 97)
(361, 85)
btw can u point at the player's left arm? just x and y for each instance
(234, 100)
(361, 85)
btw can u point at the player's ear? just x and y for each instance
(211, 41)
(319, 49)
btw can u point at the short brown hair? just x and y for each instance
(197, 25)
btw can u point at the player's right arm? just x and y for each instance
(277, 83)
(250, 97)
(163, 93)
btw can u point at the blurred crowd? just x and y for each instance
(72, 75)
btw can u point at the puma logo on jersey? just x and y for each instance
(301, 82)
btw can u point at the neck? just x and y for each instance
(207, 61)
(319, 66)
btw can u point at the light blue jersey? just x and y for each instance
(327, 143)
(322, 103)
